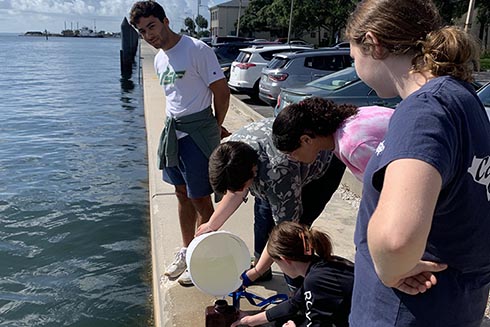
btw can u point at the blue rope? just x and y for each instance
(274, 299)
(241, 292)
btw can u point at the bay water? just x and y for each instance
(74, 242)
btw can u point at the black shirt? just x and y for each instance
(325, 297)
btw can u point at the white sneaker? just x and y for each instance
(178, 266)
(185, 279)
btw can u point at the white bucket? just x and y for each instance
(216, 260)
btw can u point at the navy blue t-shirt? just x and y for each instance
(445, 125)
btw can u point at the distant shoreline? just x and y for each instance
(45, 34)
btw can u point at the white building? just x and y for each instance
(224, 17)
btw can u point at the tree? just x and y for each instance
(308, 15)
(201, 22)
(191, 26)
(483, 18)
(255, 17)
(451, 9)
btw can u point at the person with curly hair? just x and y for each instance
(422, 232)
(304, 129)
(283, 189)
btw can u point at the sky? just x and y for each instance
(20, 16)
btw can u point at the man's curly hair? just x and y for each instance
(313, 117)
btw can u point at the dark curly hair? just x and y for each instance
(231, 166)
(146, 9)
(313, 117)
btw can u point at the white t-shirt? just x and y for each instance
(185, 73)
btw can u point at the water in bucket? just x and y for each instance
(216, 260)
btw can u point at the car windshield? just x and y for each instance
(484, 95)
(335, 80)
(277, 63)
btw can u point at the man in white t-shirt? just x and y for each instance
(191, 77)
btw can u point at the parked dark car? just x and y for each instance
(229, 39)
(207, 40)
(341, 45)
(293, 41)
(343, 86)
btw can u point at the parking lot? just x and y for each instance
(257, 105)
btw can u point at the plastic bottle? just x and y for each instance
(221, 314)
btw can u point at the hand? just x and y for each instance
(242, 320)
(224, 132)
(420, 278)
(203, 229)
(255, 320)
(289, 323)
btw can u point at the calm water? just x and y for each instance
(74, 247)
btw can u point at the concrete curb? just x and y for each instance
(236, 104)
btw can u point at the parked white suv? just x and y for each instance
(246, 69)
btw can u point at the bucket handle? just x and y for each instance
(264, 302)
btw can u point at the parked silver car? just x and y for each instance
(341, 87)
(295, 69)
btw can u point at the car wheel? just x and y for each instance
(255, 91)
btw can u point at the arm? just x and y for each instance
(227, 206)
(265, 262)
(255, 320)
(400, 225)
(221, 100)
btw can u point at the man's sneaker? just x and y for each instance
(178, 266)
(185, 279)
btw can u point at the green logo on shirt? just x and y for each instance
(169, 76)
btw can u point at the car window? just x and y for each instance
(335, 80)
(277, 63)
(243, 56)
(325, 62)
(484, 95)
(268, 55)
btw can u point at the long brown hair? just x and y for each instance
(415, 28)
(297, 242)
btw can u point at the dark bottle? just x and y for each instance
(221, 314)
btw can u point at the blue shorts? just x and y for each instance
(192, 170)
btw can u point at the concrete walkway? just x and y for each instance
(179, 306)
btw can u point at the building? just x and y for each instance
(224, 17)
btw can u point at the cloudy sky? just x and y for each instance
(19, 16)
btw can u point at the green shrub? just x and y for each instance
(485, 62)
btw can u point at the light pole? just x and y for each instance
(469, 16)
(290, 19)
(199, 5)
(239, 14)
